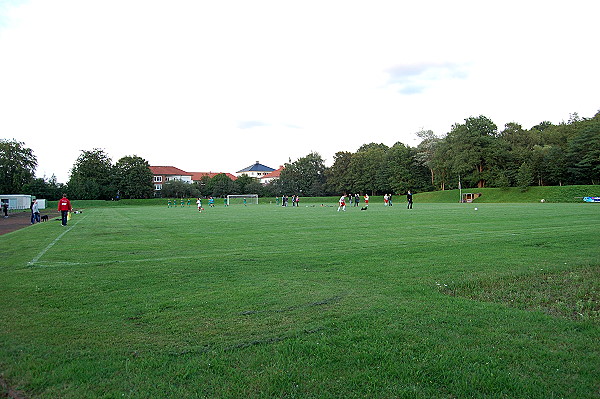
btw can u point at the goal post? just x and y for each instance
(242, 199)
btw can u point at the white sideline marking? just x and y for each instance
(57, 264)
(43, 251)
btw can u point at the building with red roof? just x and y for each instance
(197, 176)
(163, 174)
(268, 178)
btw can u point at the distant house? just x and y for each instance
(163, 174)
(268, 178)
(256, 170)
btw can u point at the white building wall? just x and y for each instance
(16, 201)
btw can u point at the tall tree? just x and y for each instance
(400, 165)
(91, 176)
(305, 176)
(472, 146)
(17, 166)
(442, 164)
(338, 176)
(133, 177)
(426, 150)
(368, 170)
(246, 185)
(583, 153)
(220, 185)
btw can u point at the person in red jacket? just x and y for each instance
(64, 206)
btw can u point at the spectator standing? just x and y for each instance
(35, 212)
(64, 206)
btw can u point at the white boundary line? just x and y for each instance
(43, 251)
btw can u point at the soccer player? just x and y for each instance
(366, 200)
(409, 200)
(211, 202)
(342, 202)
(199, 203)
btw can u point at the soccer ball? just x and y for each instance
(475, 208)
(542, 200)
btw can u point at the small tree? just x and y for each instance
(42, 188)
(524, 176)
(179, 189)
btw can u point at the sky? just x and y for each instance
(218, 85)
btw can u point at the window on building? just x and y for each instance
(158, 179)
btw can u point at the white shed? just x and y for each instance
(16, 201)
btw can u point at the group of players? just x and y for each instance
(351, 198)
(387, 201)
(172, 203)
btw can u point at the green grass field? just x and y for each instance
(262, 301)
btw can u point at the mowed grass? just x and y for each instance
(262, 301)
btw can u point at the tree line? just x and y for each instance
(475, 153)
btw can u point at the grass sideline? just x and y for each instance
(260, 301)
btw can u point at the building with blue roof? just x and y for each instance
(255, 170)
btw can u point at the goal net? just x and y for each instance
(242, 199)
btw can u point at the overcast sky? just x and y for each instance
(217, 85)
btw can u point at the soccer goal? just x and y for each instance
(242, 199)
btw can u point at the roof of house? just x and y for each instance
(199, 175)
(257, 167)
(168, 170)
(273, 175)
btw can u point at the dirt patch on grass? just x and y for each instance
(572, 294)
(7, 392)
